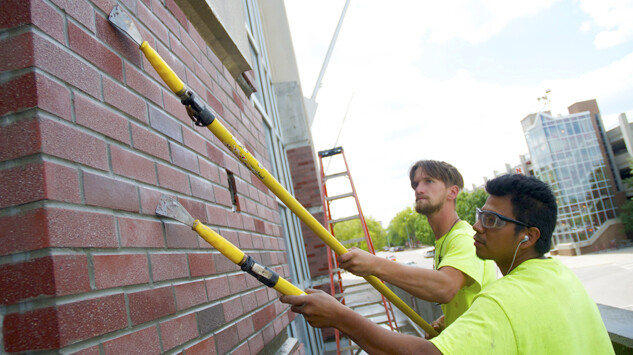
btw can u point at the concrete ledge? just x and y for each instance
(619, 323)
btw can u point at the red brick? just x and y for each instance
(26, 280)
(179, 50)
(35, 90)
(149, 200)
(190, 294)
(226, 339)
(218, 288)
(144, 341)
(177, 331)
(184, 158)
(140, 233)
(174, 107)
(177, 12)
(201, 264)
(149, 142)
(20, 334)
(68, 323)
(249, 302)
(71, 274)
(120, 270)
(165, 124)
(93, 51)
(128, 164)
(103, 191)
(173, 179)
(38, 181)
(147, 18)
(151, 304)
(242, 349)
(57, 61)
(179, 235)
(223, 264)
(169, 266)
(20, 139)
(245, 328)
(125, 100)
(56, 140)
(115, 39)
(18, 52)
(205, 347)
(256, 343)
(141, 83)
(90, 318)
(95, 116)
(202, 188)
(208, 171)
(237, 283)
(20, 13)
(222, 196)
(55, 227)
(80, 10)
(263, 316)
(268, 333)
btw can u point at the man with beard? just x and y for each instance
(538, 307)
(458, 274)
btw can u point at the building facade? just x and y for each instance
(90, 137)
(571, 153)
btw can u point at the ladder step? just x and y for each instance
(343, 219)
(353, 306)
(338, 197)
(330, 152)
(333, 176)
(350, 241)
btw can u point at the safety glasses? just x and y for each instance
(493, 220)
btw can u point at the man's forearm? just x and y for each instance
(429, 285)
(377, 340)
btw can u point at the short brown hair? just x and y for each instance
(440, 170)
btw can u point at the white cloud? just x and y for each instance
(614, 17)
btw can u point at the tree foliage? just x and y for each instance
(626, 212)
(352, 230)
(467, 202)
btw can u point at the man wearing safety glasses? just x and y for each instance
(538, 307)
(458, 274)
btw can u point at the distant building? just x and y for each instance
(573, 155)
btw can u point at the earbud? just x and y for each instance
(525, 239)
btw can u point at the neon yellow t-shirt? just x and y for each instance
(457, 249)
(539, 308)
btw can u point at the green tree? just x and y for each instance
(626, 212)
(408, 225)
(353, 230)
(467, 202)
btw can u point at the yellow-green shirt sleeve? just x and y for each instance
(482, 329)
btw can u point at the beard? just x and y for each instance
(426, 207)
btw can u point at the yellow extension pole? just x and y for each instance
(237, 256)
(176, 85)
(255, 167)
(121, 21)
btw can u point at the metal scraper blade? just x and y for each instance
(170, 208)
(124, 23)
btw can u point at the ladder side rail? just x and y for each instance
(370, 244)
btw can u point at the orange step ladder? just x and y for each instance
(343, 191)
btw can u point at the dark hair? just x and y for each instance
(533, 202)
(440, 170)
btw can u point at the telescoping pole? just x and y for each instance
(202, 116)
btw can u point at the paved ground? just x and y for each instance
(607, 275)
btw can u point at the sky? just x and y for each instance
(452, 80)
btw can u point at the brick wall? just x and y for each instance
(90, 137)
(308, 190)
